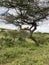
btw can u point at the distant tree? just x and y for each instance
(29, 12)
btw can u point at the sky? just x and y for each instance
(44, 27)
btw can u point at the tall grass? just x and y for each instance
(24, 51)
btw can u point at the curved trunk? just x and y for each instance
(31, 32)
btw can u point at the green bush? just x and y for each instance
(6, 42)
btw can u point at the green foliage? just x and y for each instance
(15, 52)
(23, 35)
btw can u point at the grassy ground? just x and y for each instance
(25, 52)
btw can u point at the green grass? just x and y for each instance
(25, 52)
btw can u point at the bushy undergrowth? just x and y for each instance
(23, 51)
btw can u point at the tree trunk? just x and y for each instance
(31, 32)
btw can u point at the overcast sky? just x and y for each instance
(44, 27)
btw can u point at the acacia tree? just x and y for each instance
(28, 13)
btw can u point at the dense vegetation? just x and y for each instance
(15, 51)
